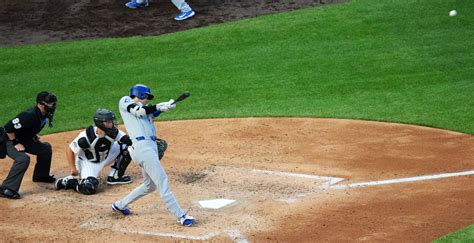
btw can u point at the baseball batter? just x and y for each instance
(92, 150)
(138, 117)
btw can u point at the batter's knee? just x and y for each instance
(150, 187)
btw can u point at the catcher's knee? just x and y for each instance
(88, 186)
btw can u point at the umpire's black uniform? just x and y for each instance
(25, 126)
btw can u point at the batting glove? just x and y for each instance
(163, 106)
(171, 105)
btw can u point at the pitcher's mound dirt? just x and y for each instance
(274, 169)
(39, 21)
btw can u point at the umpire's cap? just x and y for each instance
(141, 91)
(46, 97)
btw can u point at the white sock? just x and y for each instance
(112, 172)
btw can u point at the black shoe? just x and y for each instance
(121, 180)
(68, 182)
(59, 184)
(46, 179)
(10, 194)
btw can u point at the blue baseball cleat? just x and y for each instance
(133, 4)
(124, 211)
(184, 15)
(187, 220)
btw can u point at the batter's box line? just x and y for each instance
(205, 237)
(403, 180)
(234, 234)
(95, 224)
(329, 180)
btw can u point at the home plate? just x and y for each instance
(216, 203)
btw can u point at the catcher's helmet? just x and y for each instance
(141, 91)
(100, 116)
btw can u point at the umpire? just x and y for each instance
(22, 135)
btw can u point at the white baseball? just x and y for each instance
(453, 13)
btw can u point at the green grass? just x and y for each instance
(401, 61)
(462, 235)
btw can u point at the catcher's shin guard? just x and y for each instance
(122, 161)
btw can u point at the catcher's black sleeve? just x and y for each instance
(126, 140)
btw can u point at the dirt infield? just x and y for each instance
(283, 175)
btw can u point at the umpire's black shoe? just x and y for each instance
(46, 179)
(10, 194)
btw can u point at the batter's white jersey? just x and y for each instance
(136, 126)
(144, 152)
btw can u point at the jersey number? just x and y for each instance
(16, 123)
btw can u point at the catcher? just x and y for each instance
(93, 149)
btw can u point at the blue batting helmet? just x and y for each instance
(141, 91)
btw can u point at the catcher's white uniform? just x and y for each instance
(101, 153)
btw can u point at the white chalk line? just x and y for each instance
(151, 233)
(402, 180)
(330, 180)
(236, 236)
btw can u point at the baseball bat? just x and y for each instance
(185, 95)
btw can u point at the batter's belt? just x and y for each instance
(145, 137)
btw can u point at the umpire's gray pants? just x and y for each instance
(145, 154)
(21, 162)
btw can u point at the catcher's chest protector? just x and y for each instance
(99, 148)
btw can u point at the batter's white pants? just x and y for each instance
(145, 154)
(181, 5)
(87, 168)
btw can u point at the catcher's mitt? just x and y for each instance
(162, 146)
